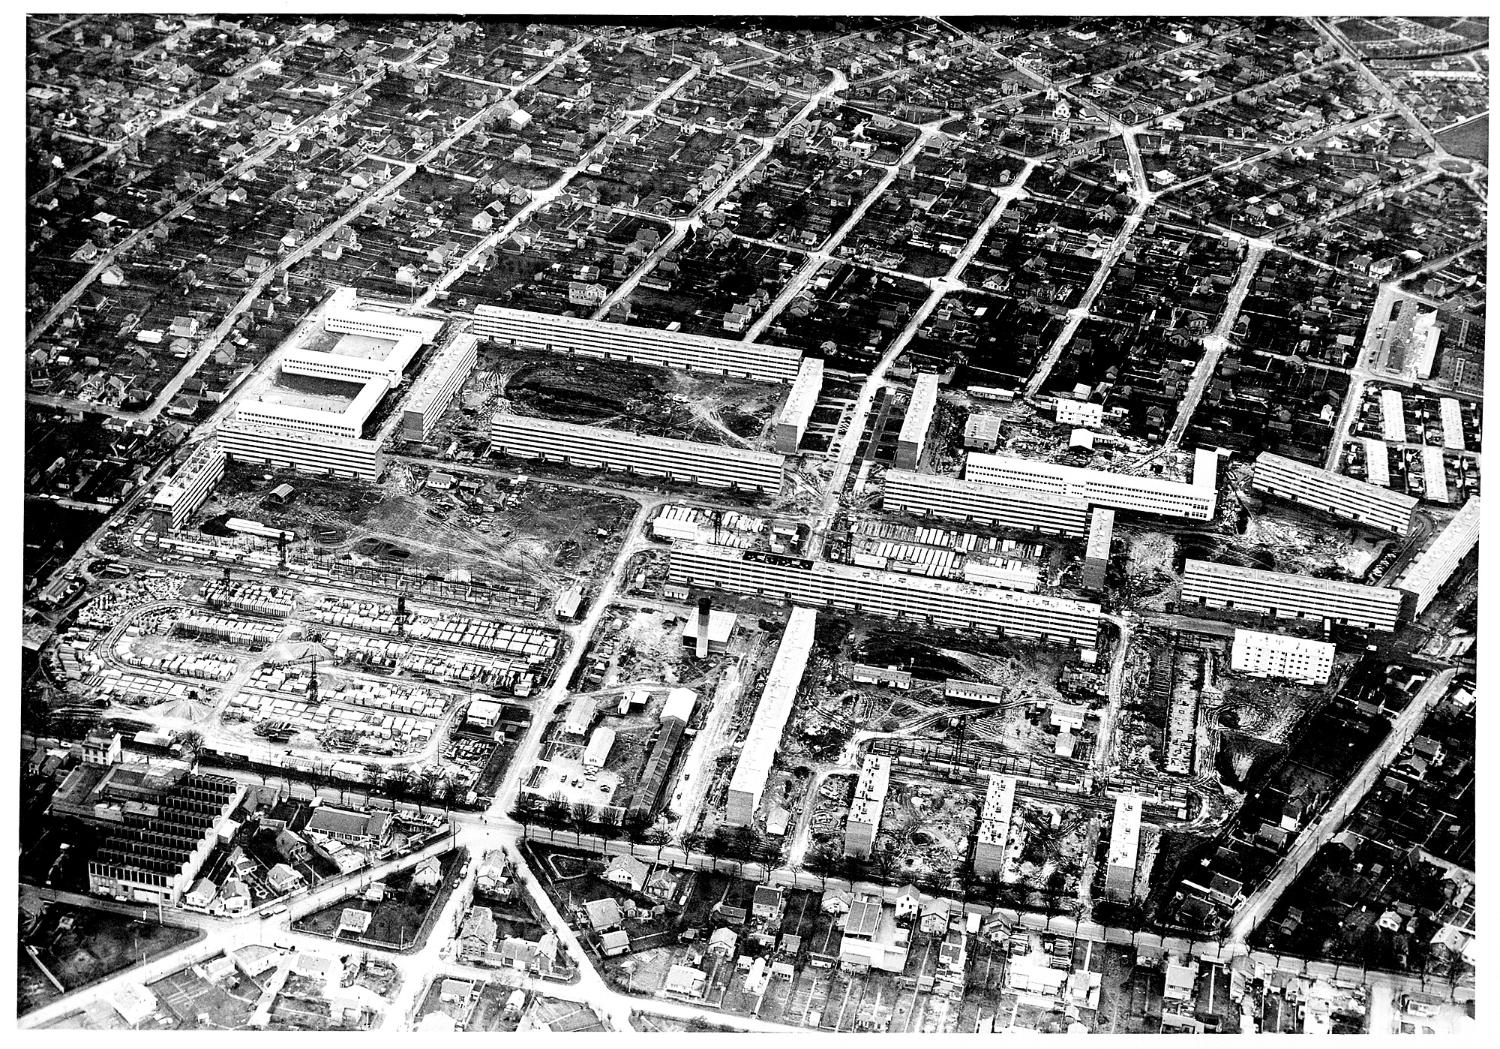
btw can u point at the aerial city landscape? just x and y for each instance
(888, 524)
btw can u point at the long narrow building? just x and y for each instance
(1435, 565)
(748, 785)
(933, 495)
(189, 486)
(1143, 495)
(921, 600)
(917, 421)
(434, 389)
(275, 446)
(868, 806)
(1290, 596)
(667, 349)
(1344, 497)
(791, 421)
(710, 465)
(993, 833)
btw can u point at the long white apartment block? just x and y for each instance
(933, 495)
(344, 316)
(1096, 550)
(1298, 659)
(1145, 495)
(1344, 497)
(791, 421)
(1451, 413)
(433, 391)
(349, 422)
(917, 599)
(993, 833)
(310, 453)
(868, 805)
(1124, 848)
(345, 368)
(189, 486)
(1435, 565)
(1290, 596)
(713, 466)
(748, 784)
(668, 349)
(917, 421)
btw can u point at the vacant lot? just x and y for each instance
(78, 946)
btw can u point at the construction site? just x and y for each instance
(614, 394)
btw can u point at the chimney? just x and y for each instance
(703, 605)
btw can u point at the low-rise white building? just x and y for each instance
(1260, 654)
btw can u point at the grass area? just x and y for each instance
(1470, 139)
(79, 946)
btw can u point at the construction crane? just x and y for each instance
(309, 661)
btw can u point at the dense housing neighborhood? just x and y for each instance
(874, 524)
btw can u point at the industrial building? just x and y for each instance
(154, 855)
(1344, 497)
(1143, 495)
(771, 713)
(1259, 654)
(993, 834)
(675, 715)
(668, 349)
(917, 421)
(1096, 550)
(932, 495)
(189, 486)
(918, 599)
(433, 391)
(1124, 846)
(867, 806)
(791, 421)
(712, 466)
(1290, 596)
(1435, 565)
(596, 754)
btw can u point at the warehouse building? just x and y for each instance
(791, 422)
(667, 349)
(867, 806)
(1435, 476)
(1435, 565)
(759, 752)
(189, 486)
(434, 389)
(1259, 654)
(712, 466)
(1377, 462)
(1124, 847)
(917, 599)
(1143, 495)
(596, 754)
(932, 495)
(675, 715)
(917, 421)
(993, 834)
(1096, 550)
(1344, 497)
(1290, 596)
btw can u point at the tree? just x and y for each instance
(526, 809)
(556, 812)
(635, 824)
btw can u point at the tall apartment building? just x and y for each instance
(433, 391)
(1143, 495)
(933, 495)
(868, 804)
(993, 834)
(748, 784)
(1344, 497)
(920, 600)
(667, 349)
(1435, 565)
(1124, 847)
(1290, 596)
(1096, 550)
(1259, 654)
(713, 466)
(189, 486)
(917, 421)
(276, 447)
(791, 421)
